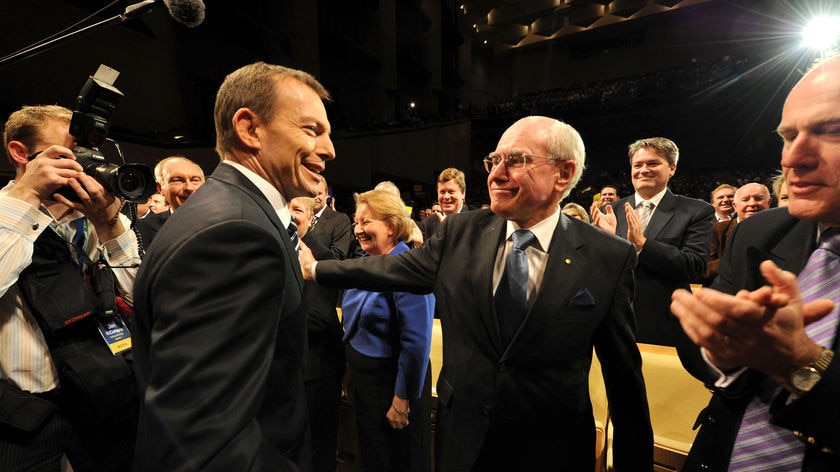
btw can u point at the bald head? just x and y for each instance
(751, 199)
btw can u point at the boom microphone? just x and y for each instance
(189, 13)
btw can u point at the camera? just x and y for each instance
(89, 125)
(132, 182)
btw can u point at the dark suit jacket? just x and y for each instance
(324, 355)
(775, 235)
(674, 256)
(533, 392)
(335, 231)
(149, 226)
(720, 235)
(431, 223)
(218, 338)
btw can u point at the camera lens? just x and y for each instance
(130, 183)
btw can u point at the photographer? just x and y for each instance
(44, 414)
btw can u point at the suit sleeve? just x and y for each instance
(713, 264)
(215, 301)
(621, 363)
(412, 271)
(683, 260)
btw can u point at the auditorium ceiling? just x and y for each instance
(508, 24)
(169, 73)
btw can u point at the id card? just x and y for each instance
(115, 333)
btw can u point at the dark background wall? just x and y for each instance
(709, 74)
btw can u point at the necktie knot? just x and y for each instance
(522, 238)
(830, 240)
(644, 208)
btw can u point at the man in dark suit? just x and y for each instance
(333, 229)
(219, 324)
(518, 399)
(177, 178)
(323, 358)
(672, 246)
(451, 193)
(770, 348)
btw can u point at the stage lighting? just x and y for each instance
(822, 33)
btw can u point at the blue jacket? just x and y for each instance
(388, 324)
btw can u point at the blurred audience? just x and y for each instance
(576, 211)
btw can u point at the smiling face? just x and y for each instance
(450, 196)
(529, 194)
(374, 235)
(810, 128)
(295, 144)
(751, 199)
(722, 200)
(300, 211)
(650, 172)
(608, 195)
(180, 179)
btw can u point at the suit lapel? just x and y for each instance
(792, 251)
(230, 175)
(483, 248)
(661, 215)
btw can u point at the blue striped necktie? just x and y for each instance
(759, 444)
(293, 235)
(512, 292)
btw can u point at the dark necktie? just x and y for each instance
(759, 442)
(293, 235)
(512, 293)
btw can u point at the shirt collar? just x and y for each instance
(544, 230)
(275, 198)
(655, 199)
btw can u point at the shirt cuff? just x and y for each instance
(724, 380)
(23, 218)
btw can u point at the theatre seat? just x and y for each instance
(675, 399)
(436, 355)
(600, 410)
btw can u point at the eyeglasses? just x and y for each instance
(514, 160)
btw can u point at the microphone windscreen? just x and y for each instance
(189, 13)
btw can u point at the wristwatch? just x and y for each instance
(803, 378)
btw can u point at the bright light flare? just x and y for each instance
(822, 33)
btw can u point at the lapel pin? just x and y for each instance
(568, 261)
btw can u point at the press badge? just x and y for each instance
(115, 334)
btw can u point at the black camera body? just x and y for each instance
(128, 181)
(89, 125)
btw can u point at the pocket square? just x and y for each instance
(582, 298)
